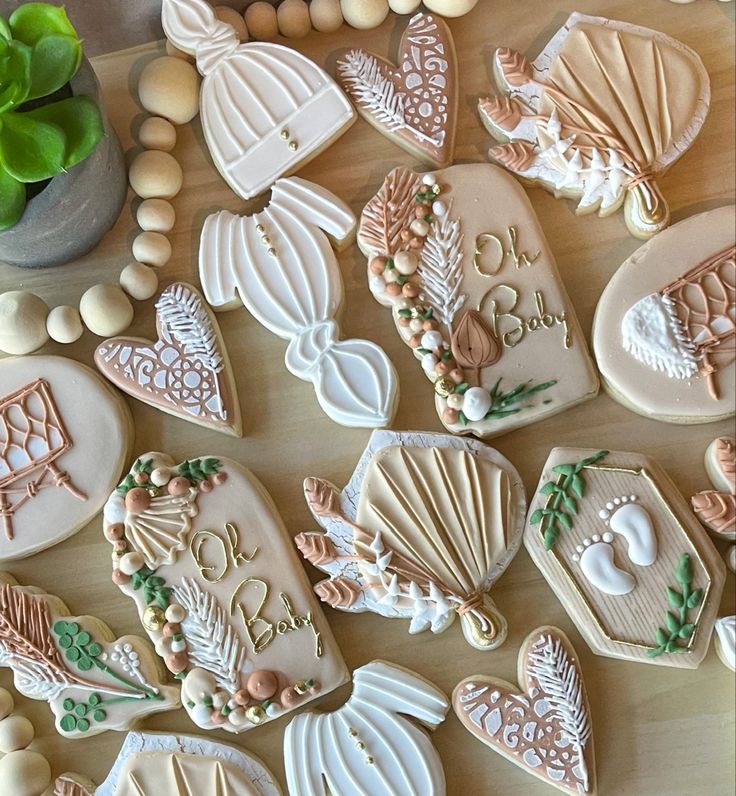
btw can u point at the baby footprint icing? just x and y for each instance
(626, 517)
(595, 556)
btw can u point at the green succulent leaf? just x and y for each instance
(15, 74)
(5, 32)
(31, 150)
(81, 121)
(32, 21)
(12, 200)
(54, 62)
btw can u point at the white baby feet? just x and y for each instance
(631, 520)
(595, 556)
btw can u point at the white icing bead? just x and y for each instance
(169, 87)
(16, 732)
(419, 227)
(155, 174)
(364, 14)
(431, 340)
(406, 263)
(416, 324)
(157, 133)
(64, 324)
(237, 717)
(231, 17)
(326, 15)
(179, 645)
(476, 403)
(201, 715)
(391, 275)
(455, 401)
(273, 710)
(219, 700)
(261, 21)
(439, 208)
(6, 703)
(428, 363)
(152, 248)
(139, 281)
(24, 773)
(293, 19)
(404, 6)
(404, 304)
(130, 563)
(428, 180)
(377, 285)
(114, 510)
(450, 8)
(22, 322)
(162, 646)
(106, 310)
(175, 613)
(156, 215)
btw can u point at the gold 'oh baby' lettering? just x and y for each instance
(503, 300)
(496, 256)
(224, 552)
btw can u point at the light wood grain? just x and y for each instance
(657, 731)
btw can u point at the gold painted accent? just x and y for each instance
(369, 760)
(301, 687)
(265, 239)
(523, 326)
(255, 714)
(644, 473)
(519, 259)
(285, 134)
(352, 732)
(153, 618)
(360, 746)
(293, 146)
(444, 387)
(260, 228)
(230, 553)
(272, 252)
(480, 243)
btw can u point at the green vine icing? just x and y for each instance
(155, 589)
(129, 481)
(562, 503)
(80, 715)
(505, 404)
(678, 629)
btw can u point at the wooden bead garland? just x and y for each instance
(23, 772)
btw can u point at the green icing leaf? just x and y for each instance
(31, 150)
(564, 520)
(12, 200)
(55, 60)
(99, 715)
(31, 21)
(94, 699)
(85, 664)
(678, 628)
(549, 488)
(662, 636)
(82, 725)
(684, 572)
(687, 630)
(675, 598)
(67, 704)
(672, 622)
(577, 485)
(564, 469)
(536, 517)
(570, 504)
(68, 723)
(81, 121)
(694, 599)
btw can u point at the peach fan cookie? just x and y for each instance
(625, 556)
(425, 526)
(64, 437)
(92, 681)
(460, 259)
(377, 742)
(201, 550)
(543, 724)
(665, 327)
(266, 109)
(186, 372)
(605, 108)
(716, 508)
(415, 102)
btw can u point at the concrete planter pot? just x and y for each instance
(74, 211)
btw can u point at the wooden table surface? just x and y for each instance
(657, 730)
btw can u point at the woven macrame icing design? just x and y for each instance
(604, 109)
(186, 372)
(415, 103)
(546, 727)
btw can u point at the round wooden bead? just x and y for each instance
(6, 703)
(139, 281)
(451, 8)
(169, 87)
(364, 14)
(156, 215)
(64, 324)
(231, 17)
(261, 21)
(24, 773)
(175, 52)
(326, 15)
(404, 6)
(293, 19)
(106, 310)
(152, 248)
(22, 322)
(157, 133)
(155, 174)
(16, 732)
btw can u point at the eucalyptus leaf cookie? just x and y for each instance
(460, 259)
(665, 326)
(602, 111)
(92, 681)
(626, 557)
(199, 547)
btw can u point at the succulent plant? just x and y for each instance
(41, 135)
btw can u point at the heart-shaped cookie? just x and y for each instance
(186, 372)
(545, 729)
(414, 103)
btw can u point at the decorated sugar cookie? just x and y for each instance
(423, 529)
(474, 291)
(664, 332)
(266, 109)
(415, 102)
(603, 109)
(186, 371)
(92, 681)
(543, 724)
(716, 508)
(375, 743)
(626, 557)
(280, 264)
(64, 438)
(725, 641)
(201, 550)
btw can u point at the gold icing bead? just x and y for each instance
(293, 146)
(360, 746)
(255, 714)
(265, 239)
(301, 687)
(260, 228)
(153, 618)
(285, 134)
(272, 252)
(436, 190)
(444, 387)
(369, 760)
(352, 733)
